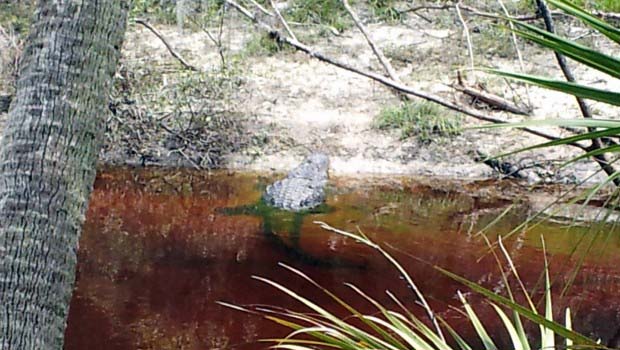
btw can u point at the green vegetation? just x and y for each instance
(158, 10)
(423, 119)
(264, 44)
(385, 10)
(324, 12)
(16, 16)
(602, 5)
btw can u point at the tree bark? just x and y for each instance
(48, 152)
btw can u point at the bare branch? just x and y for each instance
(163, 40)
(466, 32)
(216, 41)
(492, 100)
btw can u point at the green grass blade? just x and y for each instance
(384, 335)
(326, 339)
(605, 96)
(459, 340)
(612, 125)
(406, 327)
(603, 27)
(547, 336)
(563, 141)
(337, 322)
(298, 341)
(363, 239)
(592, 192)
(292, 347)
(518, 324)
(556, 327)
(424, 330)
(440, 343)
(404, 333)
(569, 325)
(475, 321)
(496, 219)
(512, 331)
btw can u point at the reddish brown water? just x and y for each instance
(157, 252)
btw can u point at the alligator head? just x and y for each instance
(303, 188)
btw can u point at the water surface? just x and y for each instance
(158, 251)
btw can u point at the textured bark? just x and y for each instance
(48, 151)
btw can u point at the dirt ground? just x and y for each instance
(300, 104)
(277, 107)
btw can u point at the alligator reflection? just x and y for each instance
(276, 221)
(157, 252)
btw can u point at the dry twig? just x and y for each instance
(470, 49)
(216, 41)
(165, 42)
(492, 100)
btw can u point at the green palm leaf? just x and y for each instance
(583, 54)
(525, 312)
(605, 96)
(601, 26)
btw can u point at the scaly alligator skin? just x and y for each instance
(303, 188)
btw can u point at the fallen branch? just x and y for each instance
(383, 80)
(494, 101)
(165, 42)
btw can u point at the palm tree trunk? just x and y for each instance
(48, 152)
